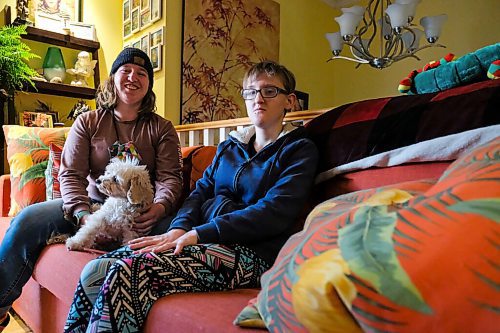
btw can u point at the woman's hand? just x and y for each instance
(147, 220)
(175, 238)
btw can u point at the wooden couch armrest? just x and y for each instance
(4, 195)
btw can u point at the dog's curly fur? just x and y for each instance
(129, 191)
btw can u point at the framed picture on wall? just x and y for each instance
(136, 44)
(203, 53)
(135, 19)
(145, 43)
(145, 18)
(126, 10)
(127, 29)
(144, 4)
(156, 57)
(155, 10)
(157, 37)
(61, 10)
(136, 4)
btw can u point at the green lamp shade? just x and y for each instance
(53, 58)
(54, 69)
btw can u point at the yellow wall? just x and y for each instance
(303, 48)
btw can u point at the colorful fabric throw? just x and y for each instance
(28, 154)
(411, 257)
(450, 72)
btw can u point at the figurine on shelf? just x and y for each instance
(22, 13)
(84, 68)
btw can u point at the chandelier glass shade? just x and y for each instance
(384, 32)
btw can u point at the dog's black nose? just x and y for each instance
(98, 181)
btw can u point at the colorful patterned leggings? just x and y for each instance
(117, 290)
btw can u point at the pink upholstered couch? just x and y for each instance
(46, 298)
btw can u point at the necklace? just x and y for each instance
(126, 149)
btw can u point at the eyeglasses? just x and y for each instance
(266, 92)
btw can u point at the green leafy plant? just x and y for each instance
(14, 54)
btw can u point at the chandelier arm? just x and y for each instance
(359, 61)
(389, 46)
(372, 11)
(398, 47)
(403, 56)
(417, 50)
(365, 55)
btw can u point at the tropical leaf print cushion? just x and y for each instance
(27, 154)
(413, 257)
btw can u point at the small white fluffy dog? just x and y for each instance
(129, 191)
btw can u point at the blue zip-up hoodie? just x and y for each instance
(252, 200)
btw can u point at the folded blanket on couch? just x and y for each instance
(446, 148)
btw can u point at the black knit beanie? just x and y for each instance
(134, 56)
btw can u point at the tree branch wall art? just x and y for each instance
(222, 39)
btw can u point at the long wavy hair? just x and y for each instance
(107, 98)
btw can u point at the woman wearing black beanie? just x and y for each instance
(124, 123)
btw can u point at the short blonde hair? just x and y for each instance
(272, 68)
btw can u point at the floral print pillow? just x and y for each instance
(28, 154)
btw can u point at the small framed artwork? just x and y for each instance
(156, 57)
(37, 119)
(63, 10)
(145, 18)
(145, 43)
(136, 4)
(157, 37)
(136, 44)
(155, 10)
(144, 4)
(127, 29)
(82, 30)
(126, 10)
(49, 22)
(135, 19)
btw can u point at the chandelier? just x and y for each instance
(382, 33)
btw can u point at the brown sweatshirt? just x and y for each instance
(85, 156)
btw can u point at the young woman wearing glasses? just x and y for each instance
(228, 231)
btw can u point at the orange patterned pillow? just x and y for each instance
(411, 257)
(27, 154)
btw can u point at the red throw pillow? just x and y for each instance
(53, 189)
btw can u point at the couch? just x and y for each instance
(345, 136)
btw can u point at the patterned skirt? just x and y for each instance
(117, 290)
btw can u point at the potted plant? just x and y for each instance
(14, 69)
(14, 73)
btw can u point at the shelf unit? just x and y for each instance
(54, 38)
(55, 89)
